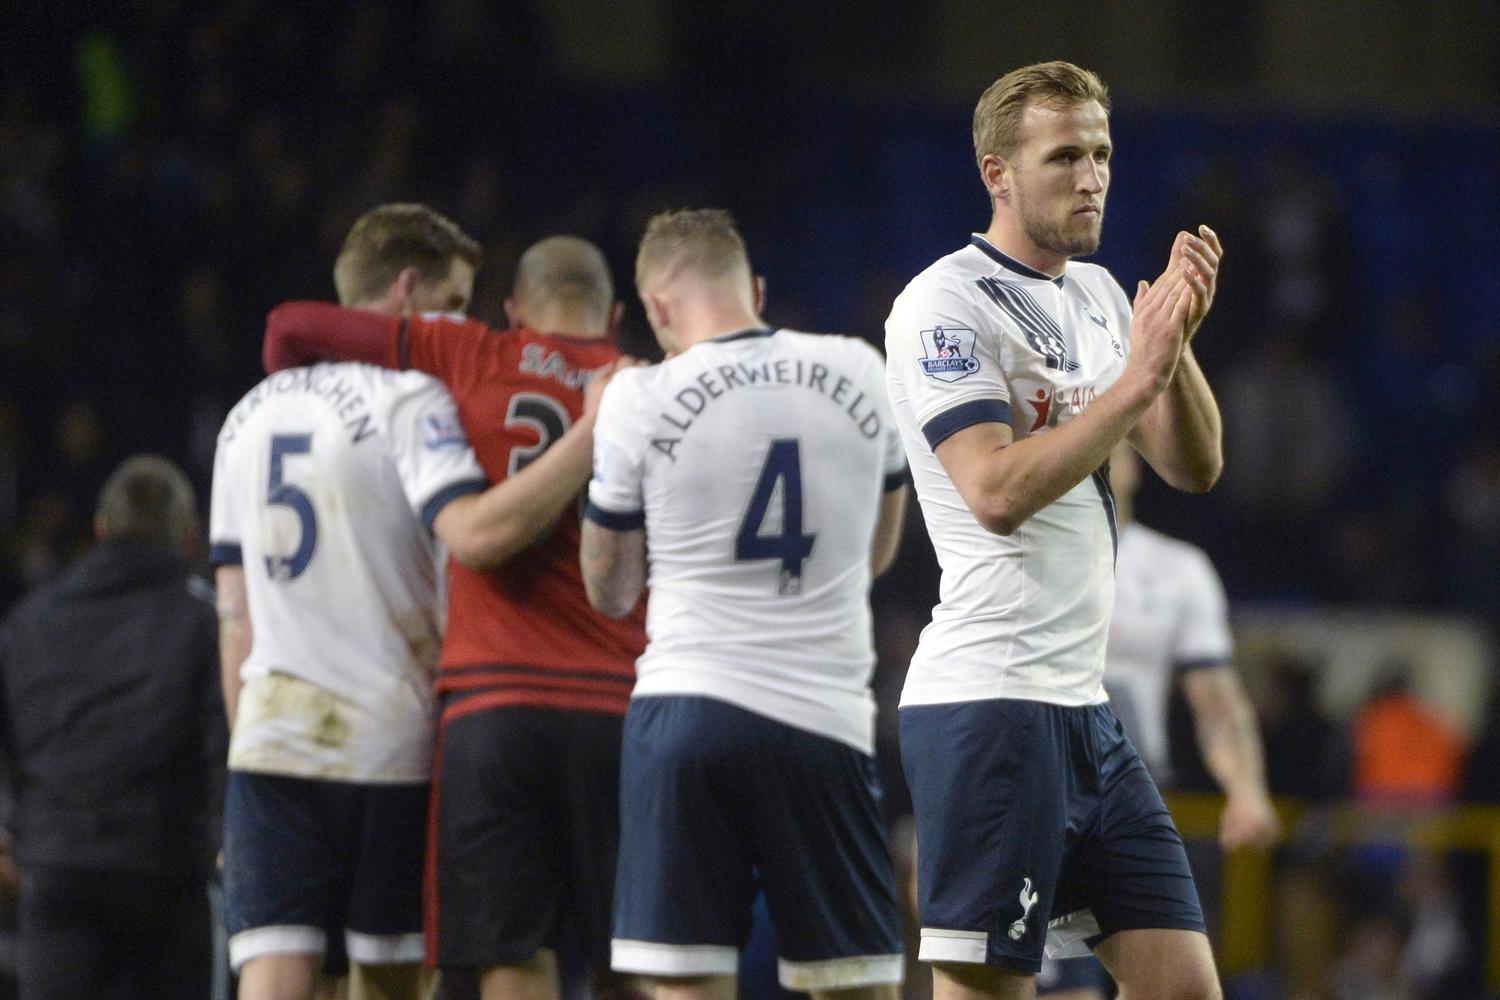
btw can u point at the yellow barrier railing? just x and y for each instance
(1245, 903)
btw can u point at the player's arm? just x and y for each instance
(888, 525)
(614, 567)
(1004, 481)
(301, 333)
(1181, 433)
(1224, 723)
(484, 530)
(612, 550)
(235, 633)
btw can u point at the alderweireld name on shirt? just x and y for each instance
(691, 401)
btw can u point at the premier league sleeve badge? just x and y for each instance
(948, 353)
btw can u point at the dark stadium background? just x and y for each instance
(169, 170)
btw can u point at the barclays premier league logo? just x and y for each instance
(949, 353)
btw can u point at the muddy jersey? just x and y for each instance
(326, 482)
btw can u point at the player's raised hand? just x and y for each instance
(594, 391)
(1248, 821)
(1200, 255)
(1158, 324)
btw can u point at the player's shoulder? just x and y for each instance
(952, 275)
(947, 290)
(1166, 551)
(1097, 279)
(853, 355)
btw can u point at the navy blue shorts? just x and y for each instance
(1036, 824)
(717, 802)
(306, 857)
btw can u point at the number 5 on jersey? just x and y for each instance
(284, 494)
(783, 465)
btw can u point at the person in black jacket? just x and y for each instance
(112, 728)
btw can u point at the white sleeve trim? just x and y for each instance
(841, 973)
(943, 945)
(651, 958)
(385, 949)
(286, 939)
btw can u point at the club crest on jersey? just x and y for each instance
(948, 353)
(442, 431)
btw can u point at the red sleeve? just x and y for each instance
(448, 348)
(300, 333)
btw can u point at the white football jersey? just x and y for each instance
(756, 463)
(1170, 617)
(326, 482)
(979, 337)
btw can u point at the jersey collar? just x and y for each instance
(754, 331)
(1010, 263)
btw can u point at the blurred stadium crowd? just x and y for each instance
(171, 171)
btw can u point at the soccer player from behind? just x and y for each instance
(533, 682)
(761, 470)
(1035, 817)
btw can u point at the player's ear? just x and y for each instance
(616, 313)
(993, 170)
(513, 312)
(405, 287)
(758, 292)
(656, 311)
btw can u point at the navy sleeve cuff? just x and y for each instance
(1188, 666)
(896, 480)
(977, 411)
(225, 554)
(443, 497)
(615, 520)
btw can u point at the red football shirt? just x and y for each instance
(525, 634)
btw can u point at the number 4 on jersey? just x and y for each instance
(783, 465)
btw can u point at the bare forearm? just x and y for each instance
(234, 650)
(1019, 478)
(614, 568)
(1231, 747)
(236, 635)
(1181, 433)
(888, 525)
(485, 531)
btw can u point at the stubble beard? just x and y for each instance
(1078, 240)
(1075, 236)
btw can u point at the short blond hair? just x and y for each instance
(997, 117)
(703, 239)
(386, 240)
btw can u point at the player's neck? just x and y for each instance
(712, 320)
(577, 324)
(1006, 235)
